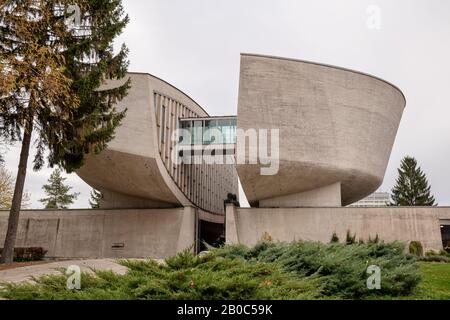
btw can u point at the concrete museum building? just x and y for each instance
(335, 129)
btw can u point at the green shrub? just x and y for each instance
(342, 266)
(415, 248)
(435, 258)
(334, 238)
(182, 277)
(431, 253)
(437, 253)
(350, 239)
(444, 253)
(266, 237)
(269, 270)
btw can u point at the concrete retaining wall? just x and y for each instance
(155, 233)
(248, 225)
(158, 233)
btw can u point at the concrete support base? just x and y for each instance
(249, 225)
(328, 196)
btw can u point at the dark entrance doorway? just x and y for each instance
(445, 232)
(211, 233)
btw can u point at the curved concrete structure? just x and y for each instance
(136, 170)
(337, 128)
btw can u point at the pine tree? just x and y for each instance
(96, 197)
(51, 74)
(411, 187)
(90, 61)
(58, 196)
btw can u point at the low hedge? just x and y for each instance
(28, 254)
(299, 270)
(435, 258)
(343, 266)
(416, 248)
(183, 277)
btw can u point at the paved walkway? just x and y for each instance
(22, 274)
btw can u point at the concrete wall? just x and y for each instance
(155, 233)
(248, 225)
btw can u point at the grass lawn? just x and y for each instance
(435, 283)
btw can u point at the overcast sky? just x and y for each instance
(195, 45)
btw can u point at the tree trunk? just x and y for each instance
(13, 222)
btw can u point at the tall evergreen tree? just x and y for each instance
(58, 196)
(411, 187)
(51, 76)
(96, 197)
(90, 60)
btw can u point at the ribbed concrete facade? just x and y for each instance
(206, 185)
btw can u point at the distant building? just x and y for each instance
(377, 199)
